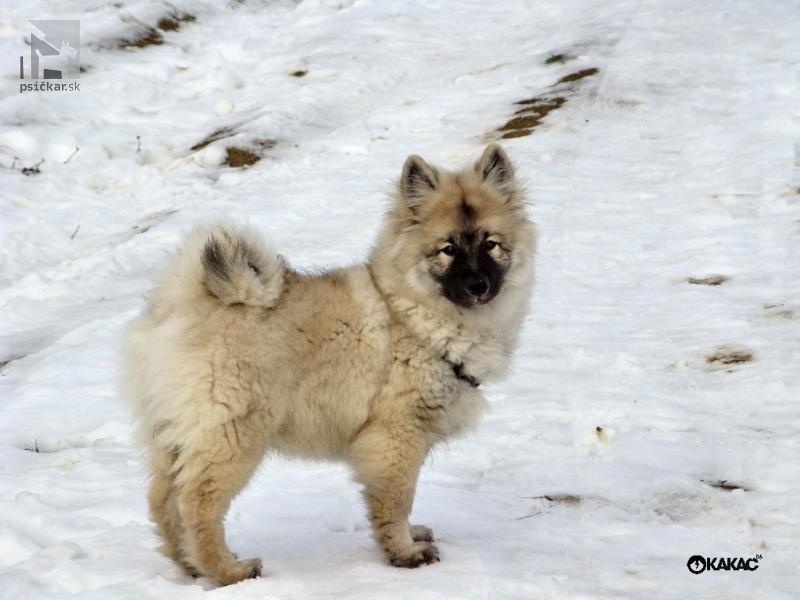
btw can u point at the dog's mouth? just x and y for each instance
(466, 298)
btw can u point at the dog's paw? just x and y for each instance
(420, 533)
(189, 569)
(420, 553)
(239, 571)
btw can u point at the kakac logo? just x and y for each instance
(698, 564)
(55, 55)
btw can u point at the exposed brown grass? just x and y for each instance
(240, 157)
(535, 109)
(174, 21)
(530, 116)
(146, 37)
(558, 59)
(577, 75)
(710, 280)
(730, 356)
(213, 137)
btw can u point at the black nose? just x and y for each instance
(477, 285)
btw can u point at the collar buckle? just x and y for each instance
(458, 371)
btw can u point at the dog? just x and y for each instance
(238, 355)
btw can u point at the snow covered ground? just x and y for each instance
(666, 186)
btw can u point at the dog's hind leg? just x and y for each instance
(163, 508)
(209, 479)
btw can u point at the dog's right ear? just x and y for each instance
(418, 180)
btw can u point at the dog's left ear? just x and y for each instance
(495, 167)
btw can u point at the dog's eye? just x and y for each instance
(449, 250)
(489, 245)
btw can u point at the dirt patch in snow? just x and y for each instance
(568, 499)
(240, 157)
(779, 311)
(146, 37)
(174, 21)
(248, 154)
(577, 76)
(558, 59)
(724, 484)
(727, 355)
(217, 135)
(534, 110)
(710, 280)
(152, 36)
(530, 116)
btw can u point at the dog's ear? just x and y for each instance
(495, 167)
(418, 180)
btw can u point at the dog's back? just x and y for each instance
(230, 330)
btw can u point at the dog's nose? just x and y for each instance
(477, 285)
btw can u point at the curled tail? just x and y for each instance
(239, 268)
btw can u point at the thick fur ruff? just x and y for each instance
(237, 355)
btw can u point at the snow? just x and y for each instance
(679, 159)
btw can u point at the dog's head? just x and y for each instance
(458, 235)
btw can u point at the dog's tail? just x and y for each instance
(239, 268)
(228, 261)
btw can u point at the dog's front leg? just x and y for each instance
(387, 460)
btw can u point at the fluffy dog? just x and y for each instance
(238, 355)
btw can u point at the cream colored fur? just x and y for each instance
(238, 355)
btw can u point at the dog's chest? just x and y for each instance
(441, 401)
(462, 410)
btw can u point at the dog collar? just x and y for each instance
(458, 371)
